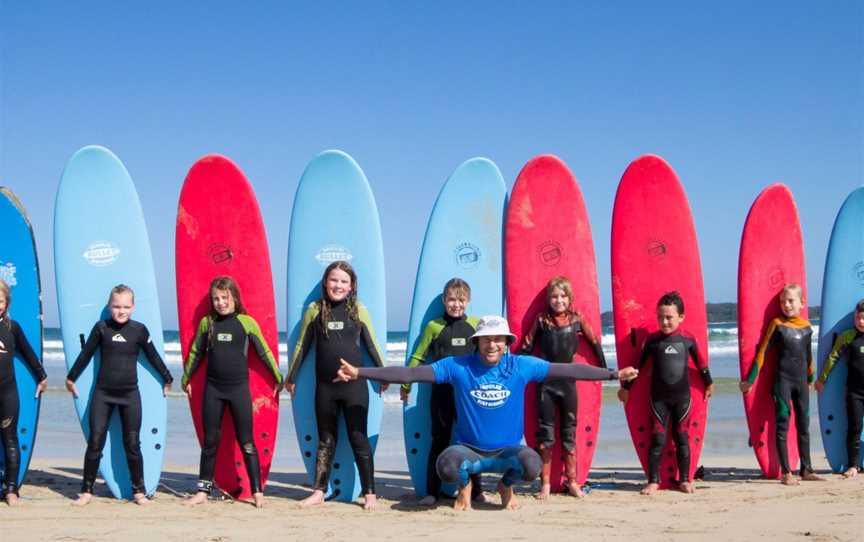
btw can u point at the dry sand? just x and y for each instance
(732, 503)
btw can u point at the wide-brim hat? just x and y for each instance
(493, 325)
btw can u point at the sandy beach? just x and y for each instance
(731, 503)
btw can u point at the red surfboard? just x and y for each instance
(220, 232)
(547, 233)
(655, 250)
(768, 261)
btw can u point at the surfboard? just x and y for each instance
(463, 239)
(842, 288)
(655, 250)
(547, 233)
(100, 240)
(19, 268)
(334, 218)
(767, 262)
(220, 232)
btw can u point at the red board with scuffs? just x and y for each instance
(772, 255)
(547, 233)
(655, 250)
(220, 232)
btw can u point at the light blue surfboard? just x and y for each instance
(19, 267)
(842, 288)
(334, 218)
(463, 239)
(100, 240)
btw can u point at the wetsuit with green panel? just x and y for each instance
(795, 371)
(850, 345)
(226, 340)
(441, 338)
(339, 336)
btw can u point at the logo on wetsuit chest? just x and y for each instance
(224, 337)
(117, 338)
(335, 326)
(860, 349)
(670, 349)
(796, 336)
(3, 348)
(490, 395)
(458, 341)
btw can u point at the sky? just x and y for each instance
(735, 95)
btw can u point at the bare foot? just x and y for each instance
(686, 487)
(83, 499)
(852, 472)
(12, 499)
(811, 476)
(575, 490)
(508, 497)
(259, 499)
(140, 499)
(650, 488)
(789, 479)
(463, 499)
(369, 502)
(316, 498)
(200, 497)
(428, 500)
(545, 491)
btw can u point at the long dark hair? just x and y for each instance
(325, 311)
(222, 283)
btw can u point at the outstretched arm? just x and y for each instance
(397, 375)
(579, 371)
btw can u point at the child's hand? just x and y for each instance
(628, 373)
(346, 372)
(165, 389)
(187, 389)
(71, 387)
(404, 394)
(709, 391)
(290, 387)
(42, 386)
(623, 395)
(384, 386)
(819, 386)
(744, 387)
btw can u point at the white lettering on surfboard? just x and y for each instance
(101, 253)
(332, 253)
(7, 273)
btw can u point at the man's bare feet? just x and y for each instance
(258, 499)
(789, 479)
(686, 487)
(508, 497)
(463, 498)
(200, 497)
(316, 498)
(575, 490)
(811, 476)
(650, 489)
(852, 472)
(428, 500)
(545, 491)
(83, 499)
(12, 499)
(140, 499)
(369, 501)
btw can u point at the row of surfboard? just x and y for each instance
(543, 230)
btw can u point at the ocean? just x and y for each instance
(59, 433)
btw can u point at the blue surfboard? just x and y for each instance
(463, 239)
(334, 218)
(19, 267)
(842, 288)
(100, 240)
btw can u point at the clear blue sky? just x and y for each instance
(735, 95)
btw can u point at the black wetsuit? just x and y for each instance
(225, 340)
(792, 337)
(13, 340)
(850, 345)
(342, 339)
(558, 342)
(670, 396)
(116, 386)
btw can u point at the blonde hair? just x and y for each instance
(562, 283)
(793, 288)
(458, 287)
(121, 289)
(7, 292)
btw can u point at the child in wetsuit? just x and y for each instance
(447, 336)
(792, 336)
(120, 340)
(850, 344)
(556, 333)
(224, 335)
(336, 324)
(669, 349)
(13, 341)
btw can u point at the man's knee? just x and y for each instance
(531, 464)
(448, 465)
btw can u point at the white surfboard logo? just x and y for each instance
(333, 253)
(7, 273)
(101, 253)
